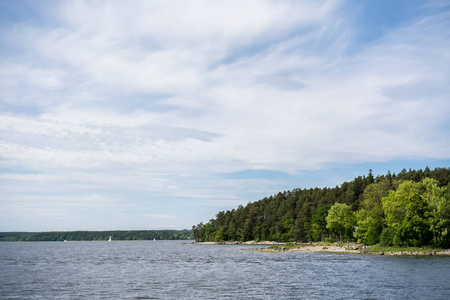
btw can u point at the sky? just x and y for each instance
(127, 115)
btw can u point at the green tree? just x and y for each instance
(438, 213)
(268, 218)
(319, 223)
(221, 234)
(371, 215)
(404, 212)
(340, 218)
(289, 226)
(208, 231)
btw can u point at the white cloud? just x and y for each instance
(159, 216)
(158, 97)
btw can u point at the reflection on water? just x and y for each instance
(172, 270)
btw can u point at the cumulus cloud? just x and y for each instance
(151, 100)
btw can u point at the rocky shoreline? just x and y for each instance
(349, 248)
(334, 249)
(239, 243)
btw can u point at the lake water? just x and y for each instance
(172, 270)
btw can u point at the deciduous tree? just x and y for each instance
(340, 218)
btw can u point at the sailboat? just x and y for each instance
(109, 239)
(154, 239)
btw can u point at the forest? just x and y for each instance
(95, 235)
(411, 208)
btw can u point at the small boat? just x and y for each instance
(154, 239)
(109, 239)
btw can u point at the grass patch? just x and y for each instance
(274, 247)
(287, 246)
(324, 244)
(379, 248)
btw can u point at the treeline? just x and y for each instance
(96, 235)
(410, 208)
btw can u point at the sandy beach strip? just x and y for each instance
(349, 248)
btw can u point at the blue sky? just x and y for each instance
(159, 114)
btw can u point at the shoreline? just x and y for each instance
(269, 243)
(349, 248)
(339, 250)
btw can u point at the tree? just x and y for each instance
(438, 213)
(370, 179)
(292, 215)
(289, 226)
(404, 212)
(221, 234)
(319, 223)
(208, 231)
(370, 216)
(340, 218)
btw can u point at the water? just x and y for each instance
(171, 270)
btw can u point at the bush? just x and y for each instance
(290, 245)
(329, 240)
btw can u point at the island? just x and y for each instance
(407, 213)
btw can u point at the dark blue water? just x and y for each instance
(171, 270)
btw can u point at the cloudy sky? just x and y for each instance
(159, 114)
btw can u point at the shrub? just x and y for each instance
(290, 245)
(329, 240)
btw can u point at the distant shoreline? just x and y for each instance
(122, 235)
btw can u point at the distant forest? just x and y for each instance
(411, 208)
(95, 235)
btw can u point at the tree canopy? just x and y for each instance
(409, 208)
(340, 218)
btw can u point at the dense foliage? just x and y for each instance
(96, 235)
(410, 208)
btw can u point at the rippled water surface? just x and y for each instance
(172, 270)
